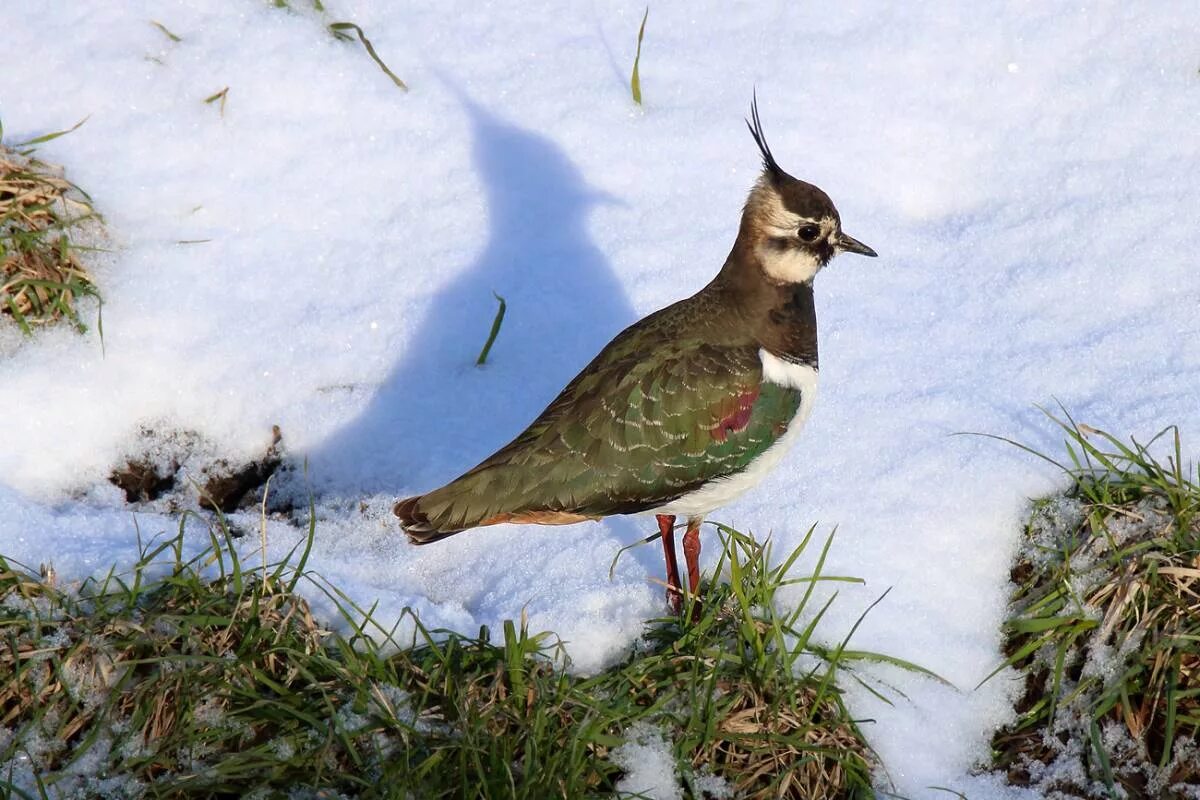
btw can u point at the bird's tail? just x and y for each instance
(417, 524)
(461, 505)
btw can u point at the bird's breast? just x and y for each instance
(797, 377)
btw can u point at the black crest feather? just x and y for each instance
(760, 138)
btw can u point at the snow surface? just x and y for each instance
(649, 765)
(1026, 171)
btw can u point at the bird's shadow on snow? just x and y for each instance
(437, 413)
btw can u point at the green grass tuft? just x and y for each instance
(1106, 624)
(204, 676)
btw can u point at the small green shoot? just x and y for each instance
(317, 5)
(338, 29)
(497, 321)
(635, 82)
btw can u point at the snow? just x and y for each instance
(1026, 172)
(649, 765)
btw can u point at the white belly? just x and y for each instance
(723, 491)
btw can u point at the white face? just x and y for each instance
(796, 248)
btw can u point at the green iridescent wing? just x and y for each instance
(643, 424)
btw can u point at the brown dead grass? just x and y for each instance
(41, 276)
(762, 754)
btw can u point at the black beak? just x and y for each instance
(848, 244)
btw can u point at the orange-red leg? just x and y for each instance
(691, 553)
(666, 527)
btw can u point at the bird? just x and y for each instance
(683, 411)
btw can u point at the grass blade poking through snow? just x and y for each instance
(1105, 625)
(218, 97)
(26, 148)
(166, 31)
(635, 81)
(496, 323)
(338, 29)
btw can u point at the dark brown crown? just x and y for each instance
(796, 195)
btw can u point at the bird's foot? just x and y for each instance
(675, 601)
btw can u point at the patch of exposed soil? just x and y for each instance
(228, 485)
(165, 464)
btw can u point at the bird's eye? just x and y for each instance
(808, 233)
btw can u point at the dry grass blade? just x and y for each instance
(765, 757)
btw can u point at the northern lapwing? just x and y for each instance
(683, 411)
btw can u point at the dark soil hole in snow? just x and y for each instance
(167, 462)
(141, 480)
(228, 486)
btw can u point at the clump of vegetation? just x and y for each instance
(733, 695)
(1106, 626)
(41, 276)
(204, 676)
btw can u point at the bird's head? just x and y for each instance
(791, 226)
